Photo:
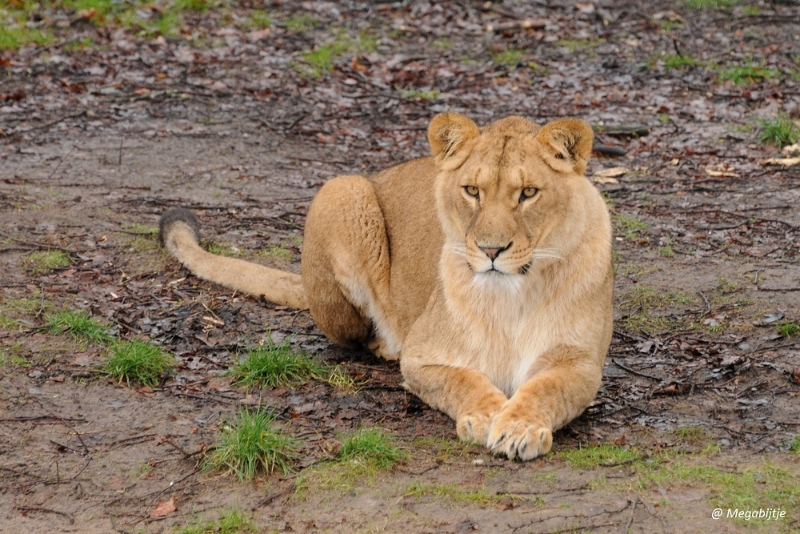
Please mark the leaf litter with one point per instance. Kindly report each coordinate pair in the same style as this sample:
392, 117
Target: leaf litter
106, 126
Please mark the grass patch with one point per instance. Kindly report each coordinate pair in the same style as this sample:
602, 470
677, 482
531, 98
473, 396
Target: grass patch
224, 249
649, 298
252, 443
744, 74
79, 324
710, 4
301, 23
13, 312
604, 455
14, 36
275, 366
789, 329
638, 307
454, 492
198, 6
371, 446
138, 362
228, 522
277, 251
780, 131
45, 261
320, 60
675, 61
631, 226
794, 446
442, 44
509, 58
259, 19
753, 486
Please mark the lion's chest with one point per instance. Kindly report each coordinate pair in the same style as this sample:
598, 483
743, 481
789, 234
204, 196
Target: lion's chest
503, 338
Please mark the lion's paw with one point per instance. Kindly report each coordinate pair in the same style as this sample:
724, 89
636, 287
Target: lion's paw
474, 427
517, 439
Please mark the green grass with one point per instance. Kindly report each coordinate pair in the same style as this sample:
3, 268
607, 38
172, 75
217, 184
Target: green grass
631, 226
710, 4
13, 36
252, 443
277, 251
46, 261
276, 366
751, 485
603, 455
675, 61
320, 60
223, 249
789, 329
780, 131
78, 324
508, 58
744, 74
442, 44
259, 19
454, 492
13, 311
138, 362
198, 6
228, 522
794, 446
301, 23
371, 446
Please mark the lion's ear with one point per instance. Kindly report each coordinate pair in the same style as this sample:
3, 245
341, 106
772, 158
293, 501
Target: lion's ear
448, 133
566, 144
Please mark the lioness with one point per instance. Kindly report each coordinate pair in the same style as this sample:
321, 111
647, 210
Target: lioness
486, 268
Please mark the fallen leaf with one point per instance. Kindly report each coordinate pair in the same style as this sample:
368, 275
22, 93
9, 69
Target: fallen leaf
796, 376
505, 504
164, 508
721, 170
258, 35
791, 151
783, 162
613, 172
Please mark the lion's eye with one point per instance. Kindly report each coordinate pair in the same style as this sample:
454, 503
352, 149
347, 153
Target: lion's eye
528, 192
471, 191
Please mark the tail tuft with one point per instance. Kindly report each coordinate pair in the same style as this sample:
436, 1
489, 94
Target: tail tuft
175, 215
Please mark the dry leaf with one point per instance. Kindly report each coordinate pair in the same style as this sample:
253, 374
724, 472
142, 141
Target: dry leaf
791, 151
613, 172
783, 162
164, 508
722, 169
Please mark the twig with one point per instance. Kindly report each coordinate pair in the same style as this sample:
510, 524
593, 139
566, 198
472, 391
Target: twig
635, 372
46, 510
630, 519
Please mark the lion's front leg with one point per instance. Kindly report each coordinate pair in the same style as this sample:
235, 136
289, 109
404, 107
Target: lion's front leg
465, 395
564, 383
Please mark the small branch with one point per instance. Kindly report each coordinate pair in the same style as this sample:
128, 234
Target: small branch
635, 372
528, 24
46, 510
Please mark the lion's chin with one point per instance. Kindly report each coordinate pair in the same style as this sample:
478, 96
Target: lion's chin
493, 280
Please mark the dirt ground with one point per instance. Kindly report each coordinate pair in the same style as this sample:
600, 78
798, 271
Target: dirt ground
699, 407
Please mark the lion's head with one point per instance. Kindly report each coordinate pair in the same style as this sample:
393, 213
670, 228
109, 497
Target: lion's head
508, 193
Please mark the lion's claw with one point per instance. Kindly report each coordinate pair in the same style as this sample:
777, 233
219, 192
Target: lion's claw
474, 427
519, 440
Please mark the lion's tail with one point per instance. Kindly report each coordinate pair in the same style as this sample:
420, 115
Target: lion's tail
179, 232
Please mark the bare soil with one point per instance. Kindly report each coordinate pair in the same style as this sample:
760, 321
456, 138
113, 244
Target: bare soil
98, 142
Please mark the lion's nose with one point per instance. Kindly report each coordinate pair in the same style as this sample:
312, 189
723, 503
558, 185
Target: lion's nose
493, 252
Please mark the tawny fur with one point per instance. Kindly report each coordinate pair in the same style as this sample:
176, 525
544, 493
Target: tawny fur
485, 268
